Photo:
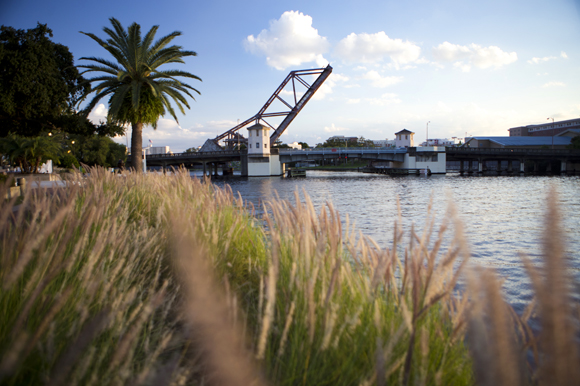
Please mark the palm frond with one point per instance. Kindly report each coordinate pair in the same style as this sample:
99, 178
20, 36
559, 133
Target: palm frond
165, 40
102, 61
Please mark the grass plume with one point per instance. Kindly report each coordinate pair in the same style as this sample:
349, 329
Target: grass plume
164, 279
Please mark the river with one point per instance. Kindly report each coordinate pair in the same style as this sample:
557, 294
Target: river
503, 216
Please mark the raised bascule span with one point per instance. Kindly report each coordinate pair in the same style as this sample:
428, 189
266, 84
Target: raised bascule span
295, 79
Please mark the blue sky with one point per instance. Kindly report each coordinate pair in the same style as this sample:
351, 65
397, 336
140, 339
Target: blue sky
468, 67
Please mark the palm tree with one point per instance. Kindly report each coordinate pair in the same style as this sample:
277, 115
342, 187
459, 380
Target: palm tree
139, 91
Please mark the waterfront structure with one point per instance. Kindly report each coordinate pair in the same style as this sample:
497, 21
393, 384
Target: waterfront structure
261, 160
551, 128
432, 159
553, 142
404, 138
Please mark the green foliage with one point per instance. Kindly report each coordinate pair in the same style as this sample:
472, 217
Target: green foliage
191, 150
304, 145
575, 143
139, 91
39, 81
96, 150
30, 152
69, 161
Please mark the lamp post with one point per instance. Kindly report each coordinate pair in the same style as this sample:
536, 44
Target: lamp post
427, 134
552, 132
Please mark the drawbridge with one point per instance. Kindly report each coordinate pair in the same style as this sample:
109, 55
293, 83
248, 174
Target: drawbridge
292, 85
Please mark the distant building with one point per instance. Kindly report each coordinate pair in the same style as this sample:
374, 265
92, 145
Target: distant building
558, 142
384, 142
295, 145
158, 150
544, 129
342, 138
404, 138
453, 141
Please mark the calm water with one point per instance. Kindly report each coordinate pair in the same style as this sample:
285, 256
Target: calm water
502, 216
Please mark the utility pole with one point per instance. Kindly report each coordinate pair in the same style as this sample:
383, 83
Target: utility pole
552, 132
427, 134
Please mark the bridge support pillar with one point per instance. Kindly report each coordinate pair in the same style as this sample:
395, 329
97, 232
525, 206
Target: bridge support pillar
563, 167
522, 166
536, 166
480, 165
204, 169
461, 170
509, 166
498, 167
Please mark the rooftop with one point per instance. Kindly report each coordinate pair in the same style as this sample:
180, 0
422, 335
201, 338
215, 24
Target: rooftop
525, 141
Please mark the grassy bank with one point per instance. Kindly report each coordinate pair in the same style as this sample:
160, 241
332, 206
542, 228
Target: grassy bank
166, 280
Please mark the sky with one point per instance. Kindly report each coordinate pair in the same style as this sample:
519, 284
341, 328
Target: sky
466, 67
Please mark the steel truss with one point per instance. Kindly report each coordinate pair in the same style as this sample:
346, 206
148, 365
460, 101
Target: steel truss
295, 77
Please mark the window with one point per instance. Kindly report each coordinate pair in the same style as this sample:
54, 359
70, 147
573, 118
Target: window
257, 145
406, 137
250, 145
265, 146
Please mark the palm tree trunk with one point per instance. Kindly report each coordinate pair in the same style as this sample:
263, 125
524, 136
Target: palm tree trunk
137, 146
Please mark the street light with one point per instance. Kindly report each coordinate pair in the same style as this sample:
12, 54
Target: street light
427, 134
552, 132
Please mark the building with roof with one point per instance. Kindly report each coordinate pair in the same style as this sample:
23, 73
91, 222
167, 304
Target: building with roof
404, 138
555, 142
545, 129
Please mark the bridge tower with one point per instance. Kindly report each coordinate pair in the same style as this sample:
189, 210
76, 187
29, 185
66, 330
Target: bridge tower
262, 161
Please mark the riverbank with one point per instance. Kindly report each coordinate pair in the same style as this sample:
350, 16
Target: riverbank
153, 279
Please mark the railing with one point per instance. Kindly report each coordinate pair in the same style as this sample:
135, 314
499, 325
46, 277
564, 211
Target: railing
331, 150
198, 154
472, 150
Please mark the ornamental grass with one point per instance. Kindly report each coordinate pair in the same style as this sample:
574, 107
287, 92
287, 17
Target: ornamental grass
158, 279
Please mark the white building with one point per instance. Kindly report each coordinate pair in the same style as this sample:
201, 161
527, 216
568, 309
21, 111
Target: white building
260, 160
295, 145
158, 150
453, 141
404, 138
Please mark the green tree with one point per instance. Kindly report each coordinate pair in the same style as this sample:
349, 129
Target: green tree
96, 150
139, 91
30, 152
38, 82
574, 143
304, 145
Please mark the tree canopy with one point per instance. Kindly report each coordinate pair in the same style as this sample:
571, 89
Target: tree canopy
39, 82
139, 91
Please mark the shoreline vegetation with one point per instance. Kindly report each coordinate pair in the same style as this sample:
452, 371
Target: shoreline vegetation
168, 280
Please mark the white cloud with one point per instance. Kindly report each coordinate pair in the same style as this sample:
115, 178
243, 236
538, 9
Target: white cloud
554, 84
381, 82
334, 129
473, 55
290, 41
371, 48
98, 114
535, 60
541, 60
353, 101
